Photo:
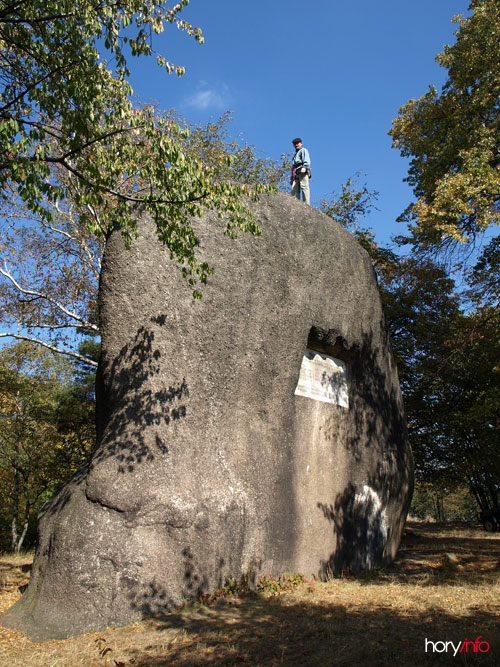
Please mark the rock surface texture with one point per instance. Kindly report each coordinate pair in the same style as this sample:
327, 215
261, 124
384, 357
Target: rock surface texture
207, 463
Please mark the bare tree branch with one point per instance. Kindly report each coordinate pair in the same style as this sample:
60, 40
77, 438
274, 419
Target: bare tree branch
54, 348
87, 325
90, 258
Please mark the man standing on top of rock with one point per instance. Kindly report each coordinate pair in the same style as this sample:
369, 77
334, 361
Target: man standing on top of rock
301, 171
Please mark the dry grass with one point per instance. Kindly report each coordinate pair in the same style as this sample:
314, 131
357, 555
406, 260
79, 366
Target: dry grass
444, 586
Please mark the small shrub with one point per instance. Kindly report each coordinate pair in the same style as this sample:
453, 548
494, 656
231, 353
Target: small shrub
232, 588
242, 588
285, 582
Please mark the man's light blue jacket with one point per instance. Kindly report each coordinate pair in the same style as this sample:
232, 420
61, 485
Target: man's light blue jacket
301, 159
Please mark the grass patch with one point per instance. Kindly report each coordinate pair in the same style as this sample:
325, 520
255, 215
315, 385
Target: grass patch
443, 586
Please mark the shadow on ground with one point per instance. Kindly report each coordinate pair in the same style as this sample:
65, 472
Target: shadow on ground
263, 632
440, 589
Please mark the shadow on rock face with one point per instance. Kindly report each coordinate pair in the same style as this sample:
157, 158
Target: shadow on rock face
359, 523
132, 408
360, 516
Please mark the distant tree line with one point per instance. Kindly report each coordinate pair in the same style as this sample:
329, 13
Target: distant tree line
47, 431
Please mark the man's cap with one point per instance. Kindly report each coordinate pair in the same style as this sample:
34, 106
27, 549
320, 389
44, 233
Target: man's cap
297, 140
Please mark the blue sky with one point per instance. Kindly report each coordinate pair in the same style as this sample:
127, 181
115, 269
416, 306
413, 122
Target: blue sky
334, 72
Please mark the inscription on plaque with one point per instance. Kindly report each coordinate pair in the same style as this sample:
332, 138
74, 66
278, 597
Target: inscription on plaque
323, 378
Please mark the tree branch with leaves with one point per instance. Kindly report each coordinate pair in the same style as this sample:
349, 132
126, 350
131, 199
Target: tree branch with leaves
49, 268
453, 139
65, 100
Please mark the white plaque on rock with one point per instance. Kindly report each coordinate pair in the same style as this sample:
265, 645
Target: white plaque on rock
323, 378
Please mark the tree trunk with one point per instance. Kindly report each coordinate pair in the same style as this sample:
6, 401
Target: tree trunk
476, 495
15, 507
493, 494
439, 508
480, 494
27, 508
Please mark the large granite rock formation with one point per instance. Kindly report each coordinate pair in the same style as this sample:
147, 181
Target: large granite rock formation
208, 463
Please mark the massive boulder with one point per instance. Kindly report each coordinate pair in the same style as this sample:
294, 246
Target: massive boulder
260, 429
